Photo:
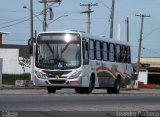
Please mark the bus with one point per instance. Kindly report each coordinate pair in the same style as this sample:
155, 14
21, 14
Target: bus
75, 59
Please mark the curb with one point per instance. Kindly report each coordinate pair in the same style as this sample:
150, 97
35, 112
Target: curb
20, 87
129, 89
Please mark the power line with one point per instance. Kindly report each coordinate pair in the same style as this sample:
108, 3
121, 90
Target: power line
2, 19
10, 10
14, 24
151, 32
17, 22
104, 4
150, 50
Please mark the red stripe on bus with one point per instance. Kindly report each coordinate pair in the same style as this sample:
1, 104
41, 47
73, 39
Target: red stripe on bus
105, 68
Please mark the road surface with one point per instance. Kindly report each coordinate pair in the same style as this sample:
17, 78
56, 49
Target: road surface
39, 101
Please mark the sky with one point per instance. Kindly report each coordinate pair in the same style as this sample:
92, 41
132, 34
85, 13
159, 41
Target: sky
15, 19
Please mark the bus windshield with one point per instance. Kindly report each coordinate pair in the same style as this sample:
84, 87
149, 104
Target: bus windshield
58, 51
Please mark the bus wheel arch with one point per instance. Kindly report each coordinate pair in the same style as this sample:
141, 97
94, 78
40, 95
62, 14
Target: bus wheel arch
91, 85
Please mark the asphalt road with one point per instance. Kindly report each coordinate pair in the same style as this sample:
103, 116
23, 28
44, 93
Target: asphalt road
41, 103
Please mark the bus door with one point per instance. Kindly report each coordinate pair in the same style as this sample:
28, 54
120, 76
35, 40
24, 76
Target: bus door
86, 68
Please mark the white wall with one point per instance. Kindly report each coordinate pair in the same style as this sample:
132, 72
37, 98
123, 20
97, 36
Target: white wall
143, 77
10, 62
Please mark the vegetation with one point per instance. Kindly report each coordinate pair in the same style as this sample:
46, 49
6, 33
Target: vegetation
9, 79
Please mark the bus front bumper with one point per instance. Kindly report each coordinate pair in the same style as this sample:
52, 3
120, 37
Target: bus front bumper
58, 82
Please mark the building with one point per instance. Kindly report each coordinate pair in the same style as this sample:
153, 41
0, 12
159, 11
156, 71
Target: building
1, 33
149, 70
15, 59
23, 49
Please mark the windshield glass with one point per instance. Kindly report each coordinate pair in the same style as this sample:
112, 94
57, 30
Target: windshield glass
58, 51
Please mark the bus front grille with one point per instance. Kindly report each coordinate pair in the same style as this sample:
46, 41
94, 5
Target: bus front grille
57, 72
57, 81
54, 76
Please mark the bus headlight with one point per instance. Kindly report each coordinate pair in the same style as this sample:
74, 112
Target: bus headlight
75, 75
40, 74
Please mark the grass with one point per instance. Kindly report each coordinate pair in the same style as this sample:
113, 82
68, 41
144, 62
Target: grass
9, 79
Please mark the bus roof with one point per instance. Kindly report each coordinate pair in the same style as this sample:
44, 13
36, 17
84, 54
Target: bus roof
86, 35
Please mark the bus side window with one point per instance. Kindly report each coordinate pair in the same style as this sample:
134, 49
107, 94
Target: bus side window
85, 52
111, 52
124, 54
105, 51
98, 50
91, 50
118, 53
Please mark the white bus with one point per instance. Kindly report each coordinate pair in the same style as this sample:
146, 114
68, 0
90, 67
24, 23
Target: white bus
73, 59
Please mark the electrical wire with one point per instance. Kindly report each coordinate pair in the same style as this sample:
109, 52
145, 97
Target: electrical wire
17, 22
104, 4
150, 50
10, 10
14, 24
20, 20
155, 29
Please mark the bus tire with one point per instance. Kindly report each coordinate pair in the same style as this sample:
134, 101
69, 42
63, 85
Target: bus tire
86, 90
115, 89
91, 86
79, 90
51, 90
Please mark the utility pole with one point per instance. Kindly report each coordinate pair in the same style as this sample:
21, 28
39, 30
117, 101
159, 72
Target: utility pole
32, 40
140, 40
31, 19
112, 19
44, 16
127, 22
88, 12
45, 11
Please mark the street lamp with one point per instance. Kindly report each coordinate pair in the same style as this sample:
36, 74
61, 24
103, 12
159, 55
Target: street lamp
57, 19
35, 15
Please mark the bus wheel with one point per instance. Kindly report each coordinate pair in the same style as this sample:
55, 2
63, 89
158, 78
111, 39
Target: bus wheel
115, 89
51, 89
86, 90
79, 90
91, 86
